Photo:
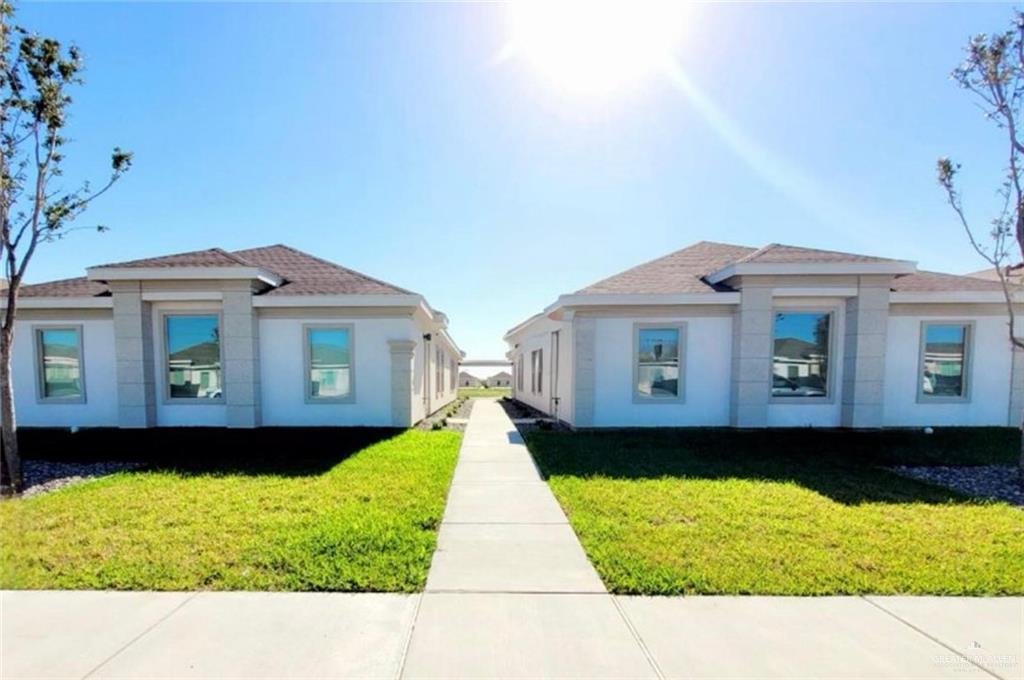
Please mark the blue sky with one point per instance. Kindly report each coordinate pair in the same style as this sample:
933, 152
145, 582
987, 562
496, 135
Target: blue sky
388, 138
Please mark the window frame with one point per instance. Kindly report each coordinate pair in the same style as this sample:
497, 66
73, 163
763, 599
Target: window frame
165, 353
520, 367
968, 372
830, 380
37, 335
681, 328
307, 363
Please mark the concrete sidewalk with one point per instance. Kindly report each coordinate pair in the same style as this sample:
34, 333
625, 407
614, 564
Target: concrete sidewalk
510, 594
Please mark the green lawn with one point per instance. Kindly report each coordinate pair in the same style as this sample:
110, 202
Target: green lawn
331, 509
496, 392
712, 511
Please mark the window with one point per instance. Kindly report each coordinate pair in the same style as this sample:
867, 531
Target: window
800, 355
519, 373
657, 368
329, 363
945, 350
537, 377
193, 356
439, 373
59, 360
453, 375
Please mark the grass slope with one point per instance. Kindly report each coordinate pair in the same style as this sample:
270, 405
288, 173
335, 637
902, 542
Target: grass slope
362, 516
718, 512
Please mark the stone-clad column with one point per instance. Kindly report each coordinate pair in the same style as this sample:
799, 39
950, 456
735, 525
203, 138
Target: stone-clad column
133, 349
867, 319
751, 357
240, 353
584, 341
401, 381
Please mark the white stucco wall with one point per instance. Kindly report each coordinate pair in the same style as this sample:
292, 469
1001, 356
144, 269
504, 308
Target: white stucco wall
100, 407
707, 365
425, 374
537, 336
283, 378
989, 375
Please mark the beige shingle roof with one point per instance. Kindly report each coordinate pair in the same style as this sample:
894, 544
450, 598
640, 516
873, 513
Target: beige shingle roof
211, 257
778, 253
303, 274
937, 282
684, 270
76, 287
678, 272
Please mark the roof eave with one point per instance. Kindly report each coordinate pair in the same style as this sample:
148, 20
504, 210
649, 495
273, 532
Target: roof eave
107, 274
352, 300
54, 302
962, 296
889, 267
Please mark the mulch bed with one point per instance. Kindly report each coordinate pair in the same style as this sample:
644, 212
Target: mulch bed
999, 482
42, 476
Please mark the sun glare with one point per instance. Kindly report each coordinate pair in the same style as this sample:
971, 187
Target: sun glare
595, 47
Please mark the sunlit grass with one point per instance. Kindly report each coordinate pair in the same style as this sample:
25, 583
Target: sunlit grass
496, 392
658, 514
367, 523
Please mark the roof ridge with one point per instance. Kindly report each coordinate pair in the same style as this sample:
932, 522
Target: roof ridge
760, 251
219, 251
237, 258
806, 249
335, 265
665, 257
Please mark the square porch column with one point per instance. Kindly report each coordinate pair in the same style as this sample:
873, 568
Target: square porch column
240, 352
867, 319
133, 351
751, 357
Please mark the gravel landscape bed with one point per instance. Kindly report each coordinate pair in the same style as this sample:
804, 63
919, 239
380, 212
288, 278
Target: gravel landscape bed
42, 476
999, 482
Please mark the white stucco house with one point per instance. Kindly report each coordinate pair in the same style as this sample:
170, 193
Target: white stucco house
779, 336
269, 336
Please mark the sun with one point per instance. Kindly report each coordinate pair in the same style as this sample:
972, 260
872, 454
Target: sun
595, 47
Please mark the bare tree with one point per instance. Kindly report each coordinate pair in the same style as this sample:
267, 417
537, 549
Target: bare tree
35, 76
993, 72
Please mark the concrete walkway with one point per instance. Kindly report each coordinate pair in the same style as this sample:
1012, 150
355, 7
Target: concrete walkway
510, 594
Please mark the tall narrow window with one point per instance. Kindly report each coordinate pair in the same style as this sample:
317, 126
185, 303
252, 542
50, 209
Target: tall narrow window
59, 352
519, 373
537, 375
193, 357
658, 361
800, 357
945, 348
453, 375
329, 363
439, 373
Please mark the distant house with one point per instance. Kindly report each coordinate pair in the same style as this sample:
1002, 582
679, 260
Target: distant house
778, 336
266, 336
503, 379
467, 380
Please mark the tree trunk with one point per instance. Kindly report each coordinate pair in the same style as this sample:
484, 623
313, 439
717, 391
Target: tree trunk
11, 481
1020, 461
